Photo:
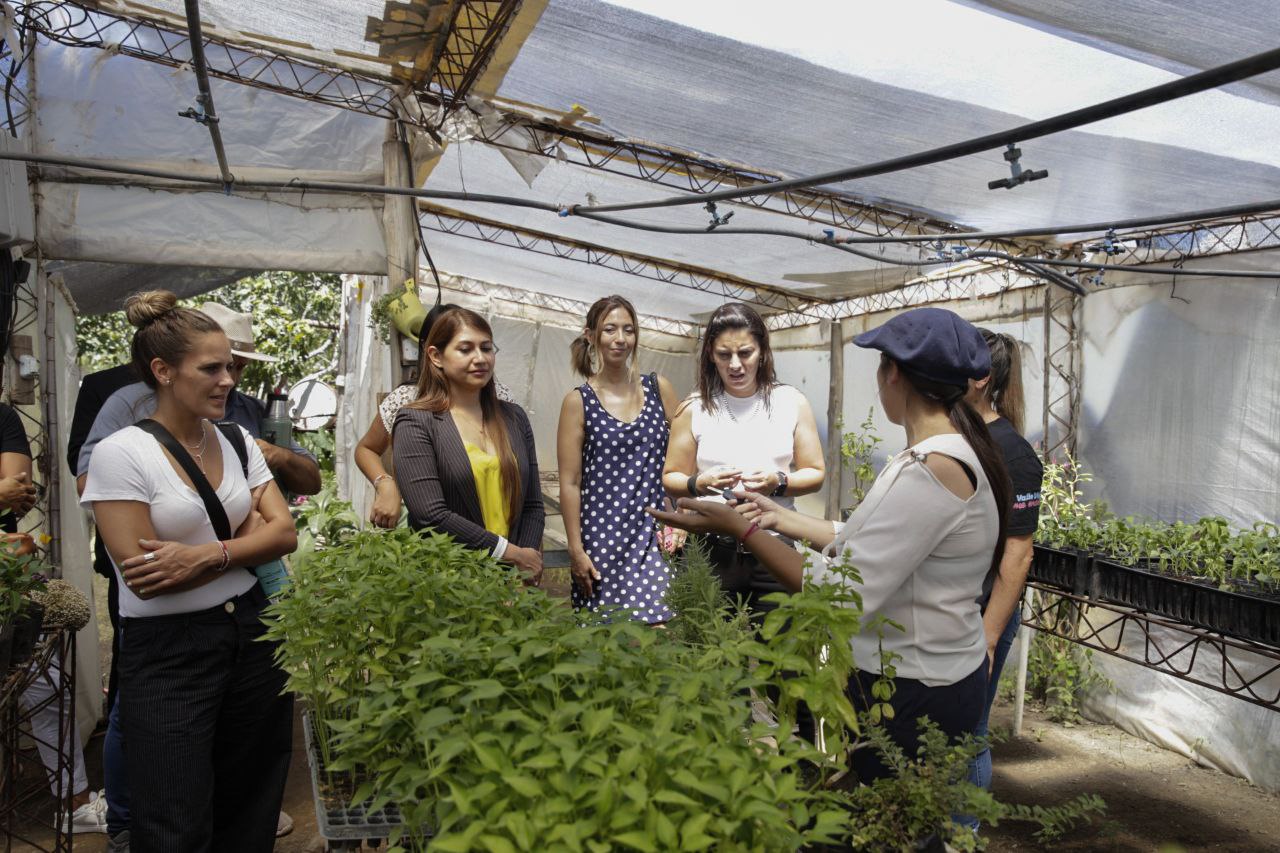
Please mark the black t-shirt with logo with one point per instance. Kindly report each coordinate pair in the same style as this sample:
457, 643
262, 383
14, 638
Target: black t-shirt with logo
13, 439
1025, 473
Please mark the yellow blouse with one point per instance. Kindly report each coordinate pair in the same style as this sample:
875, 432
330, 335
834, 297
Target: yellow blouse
488, 476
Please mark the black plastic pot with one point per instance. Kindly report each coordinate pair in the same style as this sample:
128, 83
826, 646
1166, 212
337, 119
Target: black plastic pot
1065, 568
1197, 602
26, 630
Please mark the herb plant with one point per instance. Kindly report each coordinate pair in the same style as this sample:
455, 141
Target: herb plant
856, 450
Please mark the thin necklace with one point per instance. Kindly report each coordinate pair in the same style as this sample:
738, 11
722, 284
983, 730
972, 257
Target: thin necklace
197, 452
751, 413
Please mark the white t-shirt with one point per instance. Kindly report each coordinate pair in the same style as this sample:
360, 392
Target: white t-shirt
130, 465
745, 435
922, 552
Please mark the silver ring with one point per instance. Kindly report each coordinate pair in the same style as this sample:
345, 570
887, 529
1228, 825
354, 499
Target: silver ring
149, 557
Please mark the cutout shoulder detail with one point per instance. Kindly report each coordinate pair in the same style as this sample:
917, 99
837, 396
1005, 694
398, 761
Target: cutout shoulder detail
952, 473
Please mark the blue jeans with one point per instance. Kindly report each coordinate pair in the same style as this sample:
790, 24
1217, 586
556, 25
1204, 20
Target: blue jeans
980, 769
115, 775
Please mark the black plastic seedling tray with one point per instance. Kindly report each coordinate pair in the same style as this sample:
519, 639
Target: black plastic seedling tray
345, 826
1063, 568
1194, 601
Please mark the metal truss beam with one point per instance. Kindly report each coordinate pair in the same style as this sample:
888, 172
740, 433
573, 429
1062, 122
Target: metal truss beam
1062, 363
1178, 243
73, 25
969, 282
523, 133
1174, 649
562, 304
771, 299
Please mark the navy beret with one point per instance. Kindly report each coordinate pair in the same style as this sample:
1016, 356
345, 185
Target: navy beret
934, 343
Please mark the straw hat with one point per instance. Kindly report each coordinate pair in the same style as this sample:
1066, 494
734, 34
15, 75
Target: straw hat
239, 328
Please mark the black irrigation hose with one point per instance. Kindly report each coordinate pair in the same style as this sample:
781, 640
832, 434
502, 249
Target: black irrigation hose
1112, 225
1210, 79
1086, 265
295, 185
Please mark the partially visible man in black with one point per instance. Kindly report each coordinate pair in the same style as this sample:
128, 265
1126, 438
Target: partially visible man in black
94, 391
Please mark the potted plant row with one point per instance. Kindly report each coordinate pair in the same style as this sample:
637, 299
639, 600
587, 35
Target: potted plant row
1207, 573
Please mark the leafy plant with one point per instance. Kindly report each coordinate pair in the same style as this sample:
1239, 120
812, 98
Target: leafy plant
1060, 672
323, 520
856, 451
380, 315
295, 318
321, 444
19, 575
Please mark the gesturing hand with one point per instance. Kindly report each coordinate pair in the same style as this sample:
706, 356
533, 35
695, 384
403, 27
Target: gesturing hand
756, 507
764, 482
718, 479
702, 517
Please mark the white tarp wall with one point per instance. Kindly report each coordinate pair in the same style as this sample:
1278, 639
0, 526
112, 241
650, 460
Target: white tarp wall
1181, 419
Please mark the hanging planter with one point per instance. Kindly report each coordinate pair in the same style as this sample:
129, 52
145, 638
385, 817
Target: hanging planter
401, 309
1065, 568
26, 630
1248, 615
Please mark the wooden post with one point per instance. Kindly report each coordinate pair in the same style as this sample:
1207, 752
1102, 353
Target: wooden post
835, 409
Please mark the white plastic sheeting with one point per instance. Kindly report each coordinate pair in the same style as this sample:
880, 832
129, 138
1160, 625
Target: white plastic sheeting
364, 375
1181, 398
1210, 727
77, 565
100, 106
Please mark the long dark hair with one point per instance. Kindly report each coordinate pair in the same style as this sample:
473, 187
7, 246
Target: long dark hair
969, 424
733, 316
1004, 390
580, 349
434, 396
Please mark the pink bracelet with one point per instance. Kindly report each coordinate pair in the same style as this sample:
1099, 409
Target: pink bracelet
226, 557
755, 525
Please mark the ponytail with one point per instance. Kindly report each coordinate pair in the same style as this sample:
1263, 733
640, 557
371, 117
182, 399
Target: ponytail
580, 356
1005, 388
970, 425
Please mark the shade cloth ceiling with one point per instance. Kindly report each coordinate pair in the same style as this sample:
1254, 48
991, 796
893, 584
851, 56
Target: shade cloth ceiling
811, 87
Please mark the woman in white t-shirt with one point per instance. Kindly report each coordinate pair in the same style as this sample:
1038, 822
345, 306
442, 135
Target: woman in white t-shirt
924, 538
385, 511
207, 733
742, 429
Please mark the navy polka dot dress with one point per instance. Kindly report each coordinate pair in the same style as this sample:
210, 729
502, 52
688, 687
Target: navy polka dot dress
621, 475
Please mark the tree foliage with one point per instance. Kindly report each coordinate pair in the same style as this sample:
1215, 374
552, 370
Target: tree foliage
295, 318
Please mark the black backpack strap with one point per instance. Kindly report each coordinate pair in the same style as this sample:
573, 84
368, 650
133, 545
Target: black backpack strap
213, 506
232, 431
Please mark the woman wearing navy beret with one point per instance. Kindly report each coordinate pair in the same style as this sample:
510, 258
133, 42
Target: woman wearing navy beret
924, 538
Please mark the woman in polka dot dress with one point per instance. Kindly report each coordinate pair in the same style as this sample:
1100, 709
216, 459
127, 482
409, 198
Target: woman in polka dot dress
611, 444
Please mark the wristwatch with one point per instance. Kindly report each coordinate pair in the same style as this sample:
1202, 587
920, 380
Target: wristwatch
782, 484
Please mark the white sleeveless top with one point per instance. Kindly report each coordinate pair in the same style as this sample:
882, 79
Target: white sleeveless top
922, 553
744, 434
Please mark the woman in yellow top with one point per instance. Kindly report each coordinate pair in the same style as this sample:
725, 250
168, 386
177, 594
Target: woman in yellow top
464, 460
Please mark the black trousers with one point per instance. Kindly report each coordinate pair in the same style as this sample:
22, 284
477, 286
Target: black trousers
208, 733
955, 708
742, 576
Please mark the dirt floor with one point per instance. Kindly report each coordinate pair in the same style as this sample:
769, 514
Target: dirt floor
1156, 800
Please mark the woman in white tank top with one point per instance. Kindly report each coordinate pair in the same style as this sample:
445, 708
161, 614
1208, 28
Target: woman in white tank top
924, 538
742, 429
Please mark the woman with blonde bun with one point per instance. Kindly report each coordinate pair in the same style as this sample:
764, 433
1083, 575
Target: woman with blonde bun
207, 727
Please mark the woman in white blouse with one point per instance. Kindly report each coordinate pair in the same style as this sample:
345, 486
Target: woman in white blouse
743, 429
923, 539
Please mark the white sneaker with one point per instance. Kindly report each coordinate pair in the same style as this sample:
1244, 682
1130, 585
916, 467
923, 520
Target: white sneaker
91, 817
